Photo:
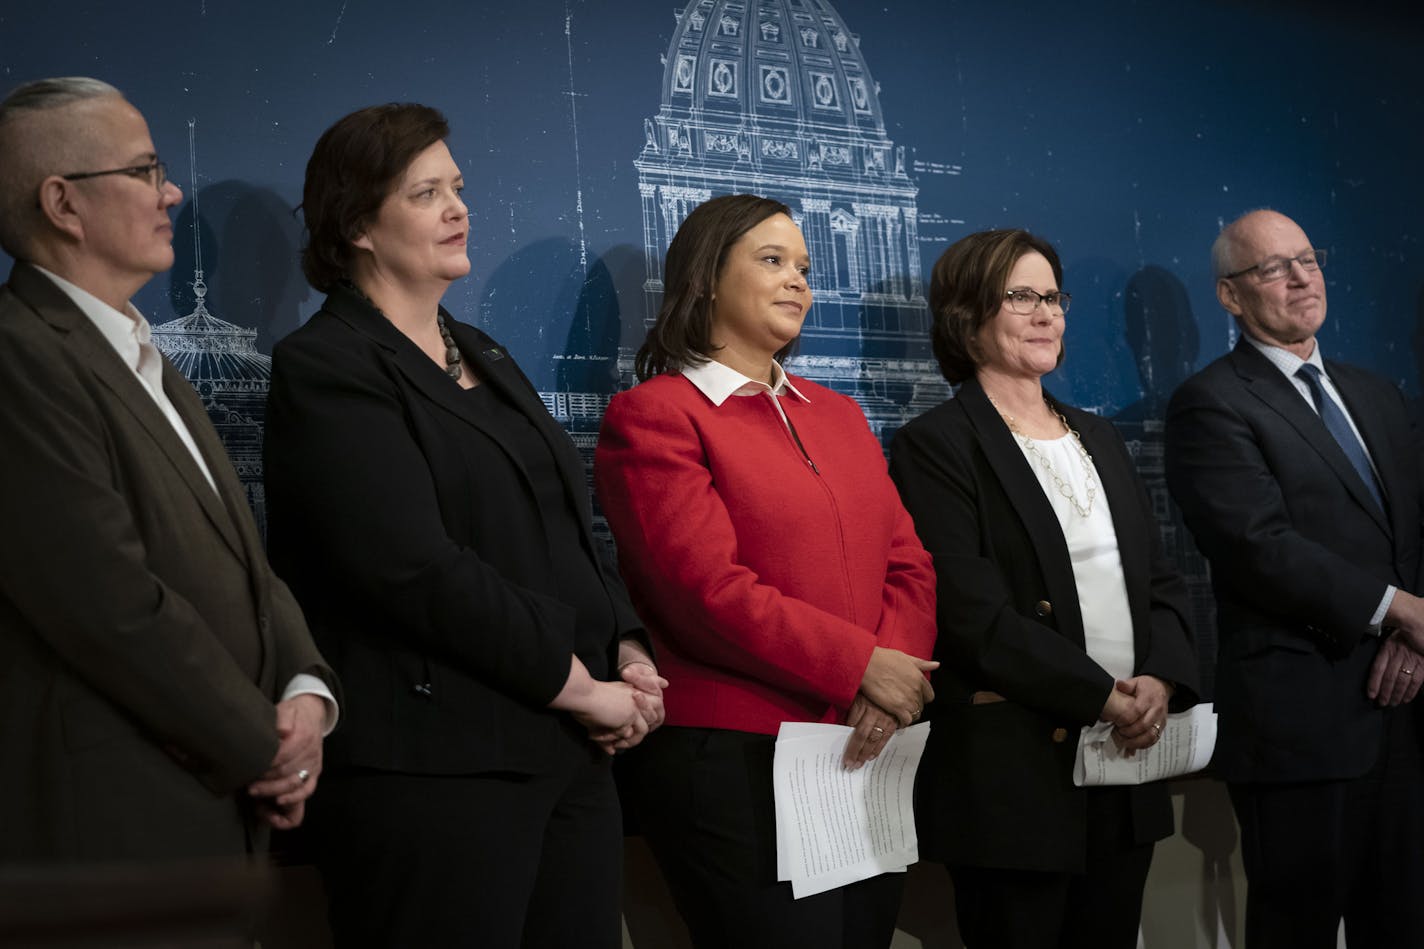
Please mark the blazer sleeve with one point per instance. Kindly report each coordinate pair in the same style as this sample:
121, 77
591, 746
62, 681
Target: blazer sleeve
626, 619
907, 613
979, 627
677, 546
345, 470
1233, 504
73, 565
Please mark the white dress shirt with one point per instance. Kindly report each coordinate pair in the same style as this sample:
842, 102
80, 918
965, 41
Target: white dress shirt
1092, 549
719, 383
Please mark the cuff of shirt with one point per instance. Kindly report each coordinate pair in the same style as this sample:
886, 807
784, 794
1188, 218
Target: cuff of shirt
306, 684
1378, 618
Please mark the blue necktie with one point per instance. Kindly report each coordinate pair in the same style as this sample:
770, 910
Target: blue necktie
1339, 426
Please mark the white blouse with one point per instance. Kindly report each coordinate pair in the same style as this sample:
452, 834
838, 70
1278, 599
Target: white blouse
1092, 548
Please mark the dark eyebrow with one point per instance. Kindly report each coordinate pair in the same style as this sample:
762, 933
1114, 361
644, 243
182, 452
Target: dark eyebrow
778, 248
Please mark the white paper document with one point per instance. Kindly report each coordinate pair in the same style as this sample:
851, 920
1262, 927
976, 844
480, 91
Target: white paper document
1187, 741
835, 826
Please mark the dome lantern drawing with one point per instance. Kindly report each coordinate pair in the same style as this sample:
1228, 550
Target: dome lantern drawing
221, 361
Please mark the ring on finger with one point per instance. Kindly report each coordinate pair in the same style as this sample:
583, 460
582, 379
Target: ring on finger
877, 733
302, 775
1408, 672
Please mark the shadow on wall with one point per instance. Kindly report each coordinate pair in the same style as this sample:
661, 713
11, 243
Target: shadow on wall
589, 362
1161, 332
530, 297
251, 246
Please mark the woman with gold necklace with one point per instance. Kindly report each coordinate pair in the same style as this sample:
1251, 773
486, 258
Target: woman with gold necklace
1057, 609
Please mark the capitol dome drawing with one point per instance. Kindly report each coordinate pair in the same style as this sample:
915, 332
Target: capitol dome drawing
773, 97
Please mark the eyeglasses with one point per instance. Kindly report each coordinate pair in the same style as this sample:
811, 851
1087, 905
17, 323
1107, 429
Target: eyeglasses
1275, 268
1024, 302
155, 172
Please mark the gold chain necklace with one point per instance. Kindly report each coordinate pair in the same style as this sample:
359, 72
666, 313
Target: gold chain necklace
1064, 488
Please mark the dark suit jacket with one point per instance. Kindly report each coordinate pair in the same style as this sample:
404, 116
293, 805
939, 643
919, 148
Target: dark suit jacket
1300, 557
413, 538
997, 788
143, 638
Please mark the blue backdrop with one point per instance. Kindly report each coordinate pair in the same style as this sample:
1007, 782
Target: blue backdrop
1126, 133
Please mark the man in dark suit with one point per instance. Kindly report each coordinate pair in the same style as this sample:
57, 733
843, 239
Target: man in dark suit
1300, 478
160, 695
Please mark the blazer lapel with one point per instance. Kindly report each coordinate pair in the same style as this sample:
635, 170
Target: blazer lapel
1025, 494
1271, 386
499, 369
94, 352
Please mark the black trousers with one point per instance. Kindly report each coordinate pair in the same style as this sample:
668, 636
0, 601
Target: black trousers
497, 861
705, 803
1318, 852
1100, 908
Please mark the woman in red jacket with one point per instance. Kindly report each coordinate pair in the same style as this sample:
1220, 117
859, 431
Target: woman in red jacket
769, 555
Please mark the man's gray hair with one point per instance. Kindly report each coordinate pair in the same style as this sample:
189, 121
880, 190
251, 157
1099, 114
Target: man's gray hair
1226, 249
32, 150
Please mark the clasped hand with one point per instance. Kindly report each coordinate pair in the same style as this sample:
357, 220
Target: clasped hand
282, 791
618, 714
893, 693
1137, 708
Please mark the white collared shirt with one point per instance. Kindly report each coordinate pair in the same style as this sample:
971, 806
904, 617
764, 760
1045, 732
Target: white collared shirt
720, 382
1289, 364
132, 338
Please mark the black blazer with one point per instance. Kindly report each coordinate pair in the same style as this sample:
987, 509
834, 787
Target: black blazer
997, 788
1300, 557
413, 539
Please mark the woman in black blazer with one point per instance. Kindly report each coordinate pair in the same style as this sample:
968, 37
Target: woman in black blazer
433, 521
1056, 610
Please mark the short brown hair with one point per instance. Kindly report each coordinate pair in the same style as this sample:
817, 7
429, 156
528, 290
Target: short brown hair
355, 166
967, 289
681, 336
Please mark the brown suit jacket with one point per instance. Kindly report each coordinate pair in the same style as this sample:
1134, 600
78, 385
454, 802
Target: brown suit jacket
143, 637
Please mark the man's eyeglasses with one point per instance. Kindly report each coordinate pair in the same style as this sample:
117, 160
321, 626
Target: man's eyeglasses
1024, 302
1275, 268
155, 173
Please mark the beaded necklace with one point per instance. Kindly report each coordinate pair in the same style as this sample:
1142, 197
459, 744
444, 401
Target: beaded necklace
1031, 448
453, 360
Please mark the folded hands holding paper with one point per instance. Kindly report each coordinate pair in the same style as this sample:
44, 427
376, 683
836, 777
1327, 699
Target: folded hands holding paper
1136, 710
1186, 744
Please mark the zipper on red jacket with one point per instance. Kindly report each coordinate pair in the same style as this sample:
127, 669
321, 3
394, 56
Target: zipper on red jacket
797, 438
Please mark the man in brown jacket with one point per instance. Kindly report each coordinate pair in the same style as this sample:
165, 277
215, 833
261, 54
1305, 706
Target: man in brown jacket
160, 695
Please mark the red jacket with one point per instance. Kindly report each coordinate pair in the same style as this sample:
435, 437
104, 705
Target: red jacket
765, 582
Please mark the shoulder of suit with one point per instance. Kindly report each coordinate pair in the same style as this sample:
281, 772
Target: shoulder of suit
470, 331
666, 385
1357, 374
1215, 377
947, 413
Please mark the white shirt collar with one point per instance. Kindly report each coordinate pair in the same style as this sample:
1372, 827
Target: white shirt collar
125, 331
720, 382
1285, 360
